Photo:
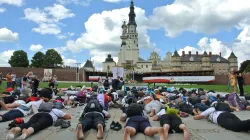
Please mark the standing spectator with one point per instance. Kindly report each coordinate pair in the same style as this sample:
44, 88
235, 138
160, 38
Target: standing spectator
100, 81
35, 85
55, 80
13, 78
8, 80
106, 83
240, 81
232, 79
19, 82
1, 78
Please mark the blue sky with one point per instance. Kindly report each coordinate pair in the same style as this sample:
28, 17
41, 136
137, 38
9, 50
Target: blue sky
78, 29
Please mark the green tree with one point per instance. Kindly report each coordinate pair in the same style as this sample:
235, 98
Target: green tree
37, 60
247, 69
52, 58
19, 59
244, 65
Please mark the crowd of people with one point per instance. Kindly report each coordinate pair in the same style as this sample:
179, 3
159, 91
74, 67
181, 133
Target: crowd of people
164, 104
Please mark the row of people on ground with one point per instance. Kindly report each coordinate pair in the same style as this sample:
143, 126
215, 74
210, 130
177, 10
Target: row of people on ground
163, 106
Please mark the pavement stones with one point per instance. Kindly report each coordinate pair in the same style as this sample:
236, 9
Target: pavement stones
200, 130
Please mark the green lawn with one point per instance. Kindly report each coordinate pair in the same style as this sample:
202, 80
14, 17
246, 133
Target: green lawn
220, 88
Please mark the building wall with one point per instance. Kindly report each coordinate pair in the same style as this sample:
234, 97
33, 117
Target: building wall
62, 74
106, 64
143, 67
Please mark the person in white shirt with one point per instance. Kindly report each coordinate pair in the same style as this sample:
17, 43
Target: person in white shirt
171, 122
225, 119
21, 111
37, 122
13, 78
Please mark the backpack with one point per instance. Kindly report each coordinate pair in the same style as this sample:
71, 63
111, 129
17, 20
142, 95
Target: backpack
194, 100
222, 107
45, 107
179, 102
134, 109
93, 105
106, 83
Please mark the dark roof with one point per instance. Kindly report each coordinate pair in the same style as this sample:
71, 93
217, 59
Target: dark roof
88, 64
232, 55
205, 53
141, 60
109, 58
176, 54
198, 58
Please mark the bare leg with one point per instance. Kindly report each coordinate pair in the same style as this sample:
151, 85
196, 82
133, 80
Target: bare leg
129, 132
13, 132
3, 105
26, 133
13, 105
166, 128
186, 132
248, 108
100, 132
79, 133
152, 113
151, 131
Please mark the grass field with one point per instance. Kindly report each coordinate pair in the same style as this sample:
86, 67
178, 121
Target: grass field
219, 88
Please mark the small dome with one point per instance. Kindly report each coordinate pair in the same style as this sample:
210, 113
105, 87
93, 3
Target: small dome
109, 58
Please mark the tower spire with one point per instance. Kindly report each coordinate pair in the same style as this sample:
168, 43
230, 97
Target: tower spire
132, 14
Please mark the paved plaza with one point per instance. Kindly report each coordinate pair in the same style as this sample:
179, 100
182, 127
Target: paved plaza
200, 130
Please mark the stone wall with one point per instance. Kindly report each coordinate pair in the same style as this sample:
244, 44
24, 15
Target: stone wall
62, 74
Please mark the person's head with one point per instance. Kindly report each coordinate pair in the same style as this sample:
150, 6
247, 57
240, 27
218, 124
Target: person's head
45, 94
121, 78
24, 79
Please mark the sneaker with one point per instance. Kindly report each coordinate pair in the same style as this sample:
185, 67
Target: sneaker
118, 126
112, 125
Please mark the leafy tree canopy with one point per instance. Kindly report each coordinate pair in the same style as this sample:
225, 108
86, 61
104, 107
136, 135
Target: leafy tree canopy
52, 59
37, 60
19, 59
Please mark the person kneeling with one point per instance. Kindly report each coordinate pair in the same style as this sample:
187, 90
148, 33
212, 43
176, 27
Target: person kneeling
138, 123
93, 117
171, 122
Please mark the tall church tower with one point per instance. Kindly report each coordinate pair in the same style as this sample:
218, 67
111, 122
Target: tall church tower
129, 52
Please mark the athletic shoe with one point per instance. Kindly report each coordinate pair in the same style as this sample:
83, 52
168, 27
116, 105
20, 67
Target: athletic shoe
118, 126
112, 125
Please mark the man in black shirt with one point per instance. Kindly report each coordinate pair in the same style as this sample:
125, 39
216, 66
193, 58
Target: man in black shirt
240, 81
35, 85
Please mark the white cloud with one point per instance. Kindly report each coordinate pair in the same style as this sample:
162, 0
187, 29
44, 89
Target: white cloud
4, 58
12, 2
2, 10
206, 16
103, 31
47, 29
76, 2
36, 48
68, 62
64, 36
48, 19
59, 12
7, 35
61, 50
112, 1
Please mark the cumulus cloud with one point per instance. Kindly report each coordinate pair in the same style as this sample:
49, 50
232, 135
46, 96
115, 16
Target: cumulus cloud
103, 31
12, 2
48, 19
2, 10
68, 62
36, 48
112, 1
66, 35
76, 2
4, 58
7, 35
203, 16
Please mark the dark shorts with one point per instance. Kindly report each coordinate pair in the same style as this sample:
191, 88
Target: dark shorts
91, 121
173, 121
139, 123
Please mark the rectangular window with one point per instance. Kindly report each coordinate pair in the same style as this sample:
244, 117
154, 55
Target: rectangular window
146, 66
141, 66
